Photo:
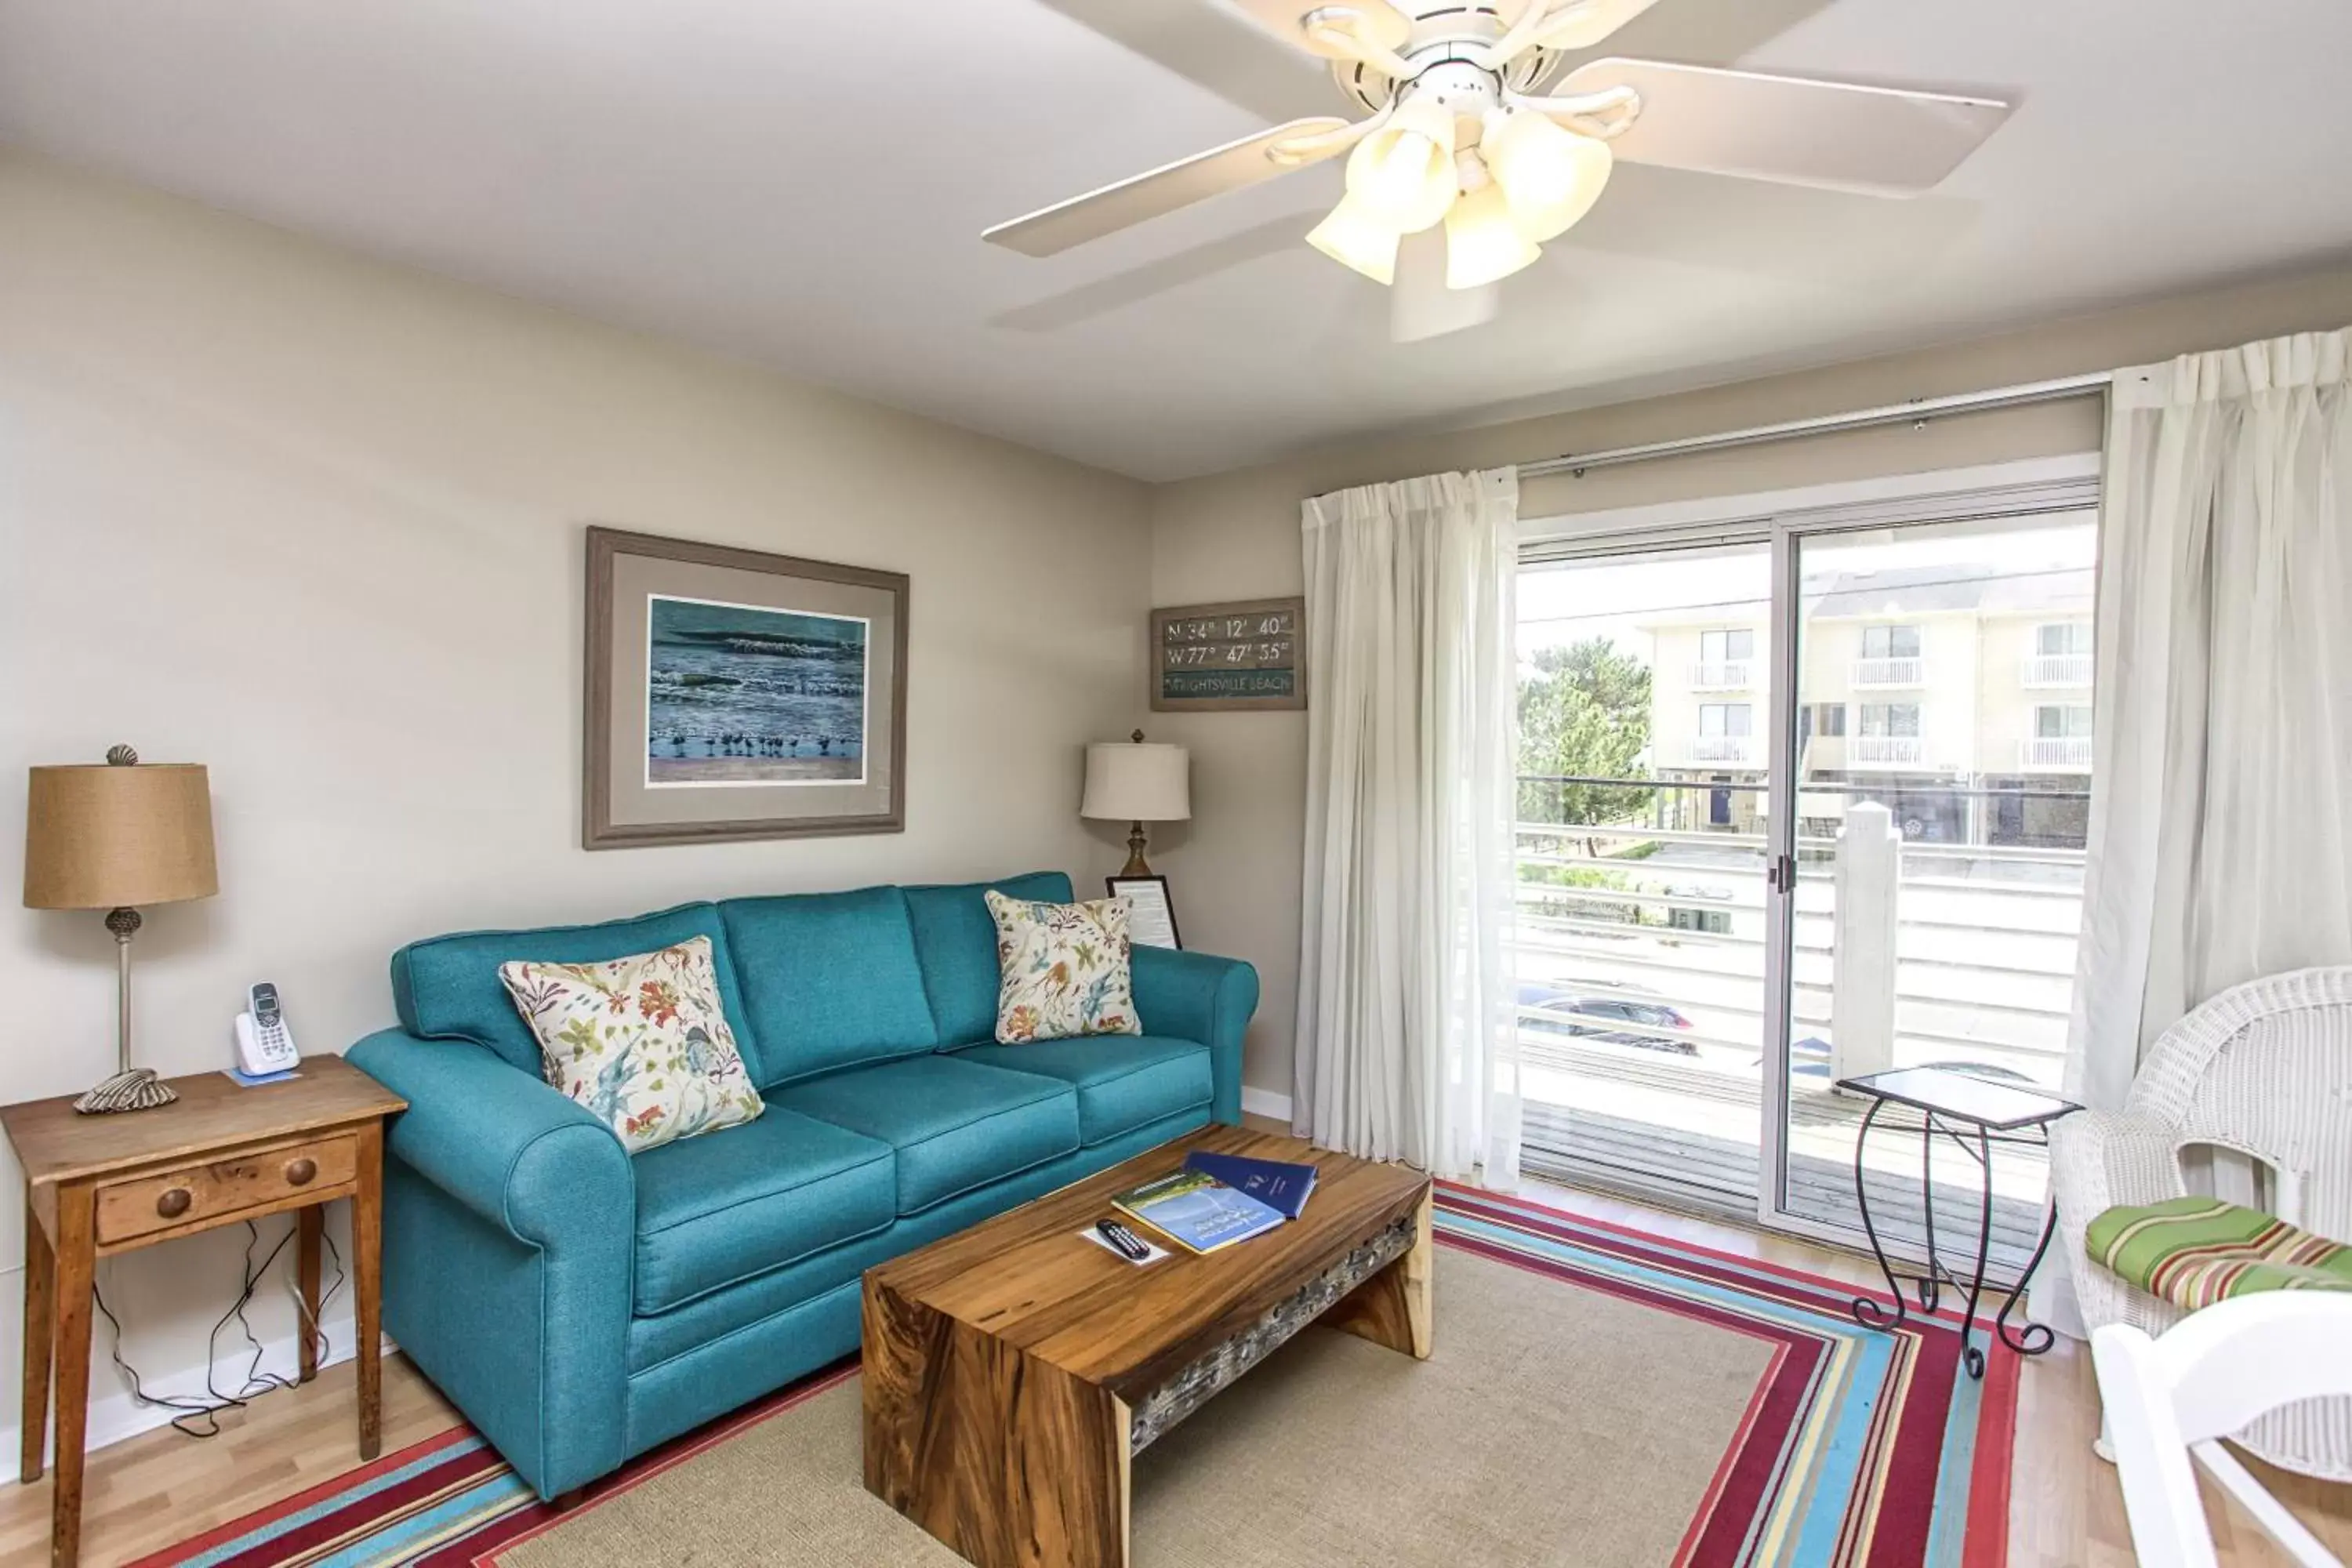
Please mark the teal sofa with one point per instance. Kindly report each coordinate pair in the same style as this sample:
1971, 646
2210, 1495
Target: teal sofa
581, 1305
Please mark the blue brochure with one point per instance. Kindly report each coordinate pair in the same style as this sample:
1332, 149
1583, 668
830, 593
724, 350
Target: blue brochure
1279, 1184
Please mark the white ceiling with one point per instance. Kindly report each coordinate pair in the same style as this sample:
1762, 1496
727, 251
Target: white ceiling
793, 181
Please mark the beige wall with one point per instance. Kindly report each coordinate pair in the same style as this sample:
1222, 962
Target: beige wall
316, 522
1237, 871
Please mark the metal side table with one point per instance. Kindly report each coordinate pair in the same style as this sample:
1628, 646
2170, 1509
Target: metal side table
1955, 1105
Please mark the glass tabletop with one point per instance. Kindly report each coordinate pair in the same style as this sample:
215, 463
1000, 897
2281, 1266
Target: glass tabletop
1998, 1106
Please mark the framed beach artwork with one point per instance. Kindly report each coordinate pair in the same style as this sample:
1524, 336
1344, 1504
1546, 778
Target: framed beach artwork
733, 694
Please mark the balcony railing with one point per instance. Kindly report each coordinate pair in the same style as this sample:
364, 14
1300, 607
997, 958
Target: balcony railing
1724, 749
1730, 675
1890, 672
2058, 669
1885, 750
2069, 752
1664, 1096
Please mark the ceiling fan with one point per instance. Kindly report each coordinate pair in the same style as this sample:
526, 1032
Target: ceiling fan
1468, 157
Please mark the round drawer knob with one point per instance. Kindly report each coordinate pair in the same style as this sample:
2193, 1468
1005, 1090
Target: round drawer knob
300, 1172
175, 1203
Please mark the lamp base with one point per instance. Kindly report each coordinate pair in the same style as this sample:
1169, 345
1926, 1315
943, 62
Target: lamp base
133, 1088
1136, 865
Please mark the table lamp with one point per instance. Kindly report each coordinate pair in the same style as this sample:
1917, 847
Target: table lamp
1128, 781
110, 836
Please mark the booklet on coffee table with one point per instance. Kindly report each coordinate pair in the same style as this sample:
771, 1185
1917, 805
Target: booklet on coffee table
1197, 1211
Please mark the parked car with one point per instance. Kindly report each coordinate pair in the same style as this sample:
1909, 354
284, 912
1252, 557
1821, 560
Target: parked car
1550, 1009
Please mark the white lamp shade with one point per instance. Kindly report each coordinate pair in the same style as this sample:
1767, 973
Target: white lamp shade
1483, 242
1403, 174
1352, 237
1138, 782
1550, 176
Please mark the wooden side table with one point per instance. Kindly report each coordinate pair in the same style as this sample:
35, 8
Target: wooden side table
99, 1185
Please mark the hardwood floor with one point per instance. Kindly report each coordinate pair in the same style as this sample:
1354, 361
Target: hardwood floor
155, 1491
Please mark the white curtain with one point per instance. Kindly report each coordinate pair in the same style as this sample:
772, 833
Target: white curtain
1407, 1027
2220, 831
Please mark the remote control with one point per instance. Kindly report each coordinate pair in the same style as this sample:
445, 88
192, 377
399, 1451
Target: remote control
1129, 1245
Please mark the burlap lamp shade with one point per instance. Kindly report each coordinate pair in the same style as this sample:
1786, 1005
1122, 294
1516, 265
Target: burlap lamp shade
113, 836
107, 837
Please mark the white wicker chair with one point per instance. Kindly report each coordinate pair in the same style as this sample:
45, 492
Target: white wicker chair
2264, 1068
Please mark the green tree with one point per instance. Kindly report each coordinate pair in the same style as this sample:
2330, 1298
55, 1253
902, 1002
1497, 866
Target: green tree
1584, 713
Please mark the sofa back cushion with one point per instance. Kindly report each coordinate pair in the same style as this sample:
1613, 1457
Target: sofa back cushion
447, 987
829, 980
956, 938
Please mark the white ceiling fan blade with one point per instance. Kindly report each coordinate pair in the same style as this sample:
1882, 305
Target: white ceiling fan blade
1208, 46
1376, 21
1591, 22
1875, 141
1164, 190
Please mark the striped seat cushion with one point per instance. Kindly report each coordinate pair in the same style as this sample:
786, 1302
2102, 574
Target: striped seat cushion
2196, 1251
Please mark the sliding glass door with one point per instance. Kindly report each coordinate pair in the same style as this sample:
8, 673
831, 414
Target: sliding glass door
1938, 747
1800, 798
1643, 701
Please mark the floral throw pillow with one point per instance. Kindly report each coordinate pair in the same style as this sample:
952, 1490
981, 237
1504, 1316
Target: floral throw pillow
1063, 969
642, 1042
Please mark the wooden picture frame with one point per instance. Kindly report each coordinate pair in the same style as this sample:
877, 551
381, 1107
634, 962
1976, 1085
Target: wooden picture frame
1248, 656
1149, 905
732, 694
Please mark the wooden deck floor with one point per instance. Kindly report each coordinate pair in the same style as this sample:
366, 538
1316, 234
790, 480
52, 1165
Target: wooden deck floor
1659, 1126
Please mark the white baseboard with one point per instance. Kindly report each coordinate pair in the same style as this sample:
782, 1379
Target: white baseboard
1266, 1102
114, 1416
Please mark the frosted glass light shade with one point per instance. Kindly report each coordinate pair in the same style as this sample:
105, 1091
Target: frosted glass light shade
1353, 237
1130, 781
1483, 242
1550, 176
1403, 174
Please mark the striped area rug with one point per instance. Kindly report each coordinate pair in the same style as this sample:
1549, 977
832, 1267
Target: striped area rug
1858, 1448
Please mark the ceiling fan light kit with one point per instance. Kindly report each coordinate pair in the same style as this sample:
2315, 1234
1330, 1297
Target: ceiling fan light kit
1484, 242
1549, 176
1403, 174
1355, 238
1459, 133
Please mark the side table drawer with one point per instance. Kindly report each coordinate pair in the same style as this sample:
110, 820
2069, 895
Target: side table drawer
148, 1204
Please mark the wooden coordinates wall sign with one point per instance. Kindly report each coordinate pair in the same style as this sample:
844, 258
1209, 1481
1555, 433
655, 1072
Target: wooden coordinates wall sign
1209, 659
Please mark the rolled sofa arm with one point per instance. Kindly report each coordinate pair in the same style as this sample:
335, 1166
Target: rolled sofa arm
510, 1213
1199, 996
2098, 1160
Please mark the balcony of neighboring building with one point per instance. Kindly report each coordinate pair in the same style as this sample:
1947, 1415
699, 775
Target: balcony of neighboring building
2056, 754
1724, 751
2056, 670
2060, 655
1725, 675
1886, 751
1893, 673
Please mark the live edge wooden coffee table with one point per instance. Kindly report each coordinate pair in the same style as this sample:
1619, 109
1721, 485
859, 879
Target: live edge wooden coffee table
1013, 1369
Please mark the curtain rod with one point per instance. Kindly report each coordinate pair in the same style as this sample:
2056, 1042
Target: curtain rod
1918, 411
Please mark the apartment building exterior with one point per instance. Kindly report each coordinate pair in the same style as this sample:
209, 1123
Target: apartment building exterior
1957, 696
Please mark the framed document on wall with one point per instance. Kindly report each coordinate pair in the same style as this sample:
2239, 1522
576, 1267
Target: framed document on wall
1153, 922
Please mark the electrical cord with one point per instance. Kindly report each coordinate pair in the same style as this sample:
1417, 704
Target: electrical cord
201, 1418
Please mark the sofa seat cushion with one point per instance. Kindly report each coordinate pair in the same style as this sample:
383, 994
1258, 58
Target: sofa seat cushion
956, 1125
1123, 1080
723, 1207
2195, 1251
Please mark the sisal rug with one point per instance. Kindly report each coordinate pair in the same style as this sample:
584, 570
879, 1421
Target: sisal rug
1598, 1398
